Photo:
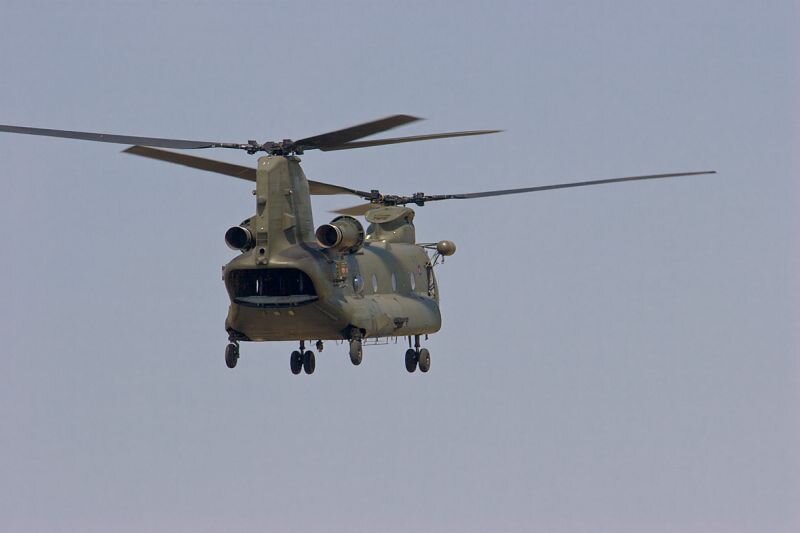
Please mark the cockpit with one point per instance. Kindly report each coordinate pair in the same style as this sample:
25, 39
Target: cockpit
270, 287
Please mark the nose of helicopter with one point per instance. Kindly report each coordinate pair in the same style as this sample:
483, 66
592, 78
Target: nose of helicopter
291, 300
270, 287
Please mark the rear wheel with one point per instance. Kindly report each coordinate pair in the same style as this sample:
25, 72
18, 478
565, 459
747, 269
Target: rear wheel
356, 352
231, 355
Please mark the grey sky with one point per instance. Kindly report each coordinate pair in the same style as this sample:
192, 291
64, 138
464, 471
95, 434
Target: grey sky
620, 358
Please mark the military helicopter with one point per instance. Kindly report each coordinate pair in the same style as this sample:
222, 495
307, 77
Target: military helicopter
340, 281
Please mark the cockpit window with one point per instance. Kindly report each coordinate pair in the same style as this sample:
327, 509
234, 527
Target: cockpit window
270, 282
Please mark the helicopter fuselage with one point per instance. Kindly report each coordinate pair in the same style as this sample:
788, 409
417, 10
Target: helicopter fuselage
285, 285
383, 290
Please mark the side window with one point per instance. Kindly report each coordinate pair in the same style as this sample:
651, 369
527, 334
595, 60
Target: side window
375, 283
413, 281
358, 284
394, 282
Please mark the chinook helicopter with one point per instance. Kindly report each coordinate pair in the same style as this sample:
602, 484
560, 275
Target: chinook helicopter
340, 281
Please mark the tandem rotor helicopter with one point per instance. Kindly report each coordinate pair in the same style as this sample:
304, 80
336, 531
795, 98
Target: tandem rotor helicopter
340, 281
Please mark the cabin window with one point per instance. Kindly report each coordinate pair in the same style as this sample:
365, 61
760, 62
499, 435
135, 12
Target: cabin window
270, 282
375, 283
413, 281
394, 282
358, 284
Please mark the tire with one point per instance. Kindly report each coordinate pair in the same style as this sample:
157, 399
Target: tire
356, 352
309, 362
296, 362
424, 360
231, 355
411, 360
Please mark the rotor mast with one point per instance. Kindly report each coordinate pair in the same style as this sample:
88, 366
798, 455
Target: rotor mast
283, 207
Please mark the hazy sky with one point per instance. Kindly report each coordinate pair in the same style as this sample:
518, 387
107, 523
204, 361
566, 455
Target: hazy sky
613, 359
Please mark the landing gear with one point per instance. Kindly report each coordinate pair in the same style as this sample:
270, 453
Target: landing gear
417, 357
303, 360
356, 346
411, 360
356, 351
309, 362
232, 355
296, 362
424, 360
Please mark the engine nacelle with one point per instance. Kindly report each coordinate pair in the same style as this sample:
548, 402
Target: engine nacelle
343, 234
239, 238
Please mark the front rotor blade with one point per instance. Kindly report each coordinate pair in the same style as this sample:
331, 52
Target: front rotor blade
230, 169
485, 194
354, 132
414, 138
200, 163
119, 139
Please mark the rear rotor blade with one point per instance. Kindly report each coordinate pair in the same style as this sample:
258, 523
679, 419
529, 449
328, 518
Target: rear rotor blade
352, 133
398, 140
502, 192
319, 188
356, 210
421, 199
180, 144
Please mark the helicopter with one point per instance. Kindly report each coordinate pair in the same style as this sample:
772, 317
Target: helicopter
342, 282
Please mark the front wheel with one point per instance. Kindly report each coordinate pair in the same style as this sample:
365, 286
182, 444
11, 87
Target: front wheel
296, 362
411, 360
424, 360
309, 362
